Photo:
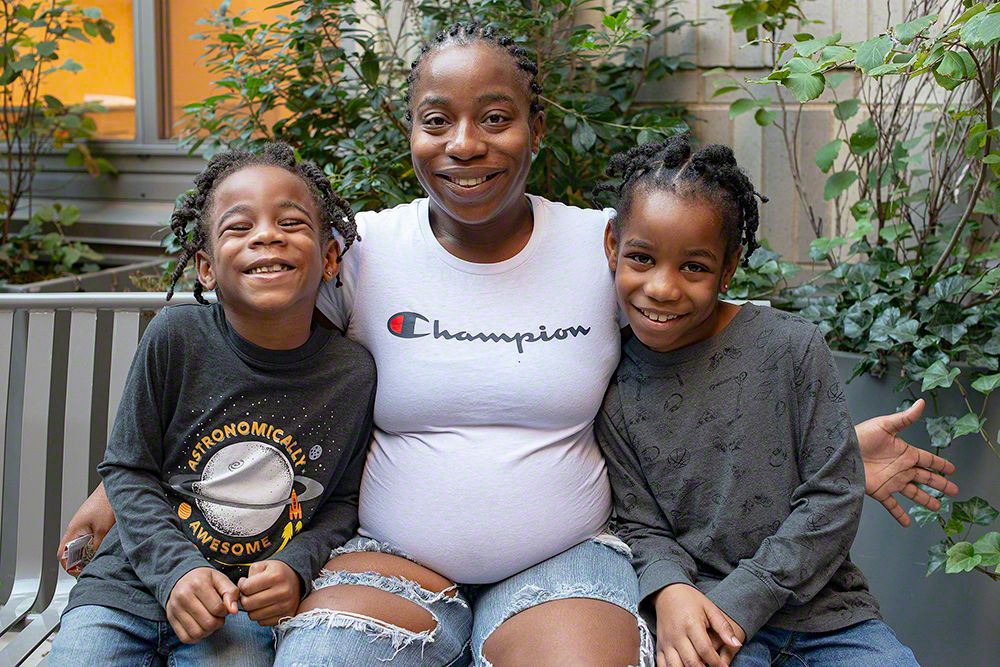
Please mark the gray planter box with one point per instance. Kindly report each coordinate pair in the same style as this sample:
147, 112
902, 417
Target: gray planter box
947, 620
114, 279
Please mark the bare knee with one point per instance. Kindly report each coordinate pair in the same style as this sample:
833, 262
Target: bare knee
374, 592
575, 631
372, 603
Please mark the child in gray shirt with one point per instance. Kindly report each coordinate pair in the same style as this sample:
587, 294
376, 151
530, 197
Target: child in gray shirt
737, 476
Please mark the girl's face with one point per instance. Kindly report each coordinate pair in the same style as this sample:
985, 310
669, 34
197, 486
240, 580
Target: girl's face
268, 250
473, 133
670, 265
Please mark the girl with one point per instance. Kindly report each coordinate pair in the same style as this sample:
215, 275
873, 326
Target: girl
235, 458
741, 508
492, 319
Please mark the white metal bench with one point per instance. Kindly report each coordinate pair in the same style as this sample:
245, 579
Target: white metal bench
63, 363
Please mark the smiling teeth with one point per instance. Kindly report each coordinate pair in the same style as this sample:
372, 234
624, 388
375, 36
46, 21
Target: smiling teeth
272, 268
470, 182
656, 317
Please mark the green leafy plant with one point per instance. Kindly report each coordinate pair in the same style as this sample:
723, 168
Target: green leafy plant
32, 122
330, 80
912, 253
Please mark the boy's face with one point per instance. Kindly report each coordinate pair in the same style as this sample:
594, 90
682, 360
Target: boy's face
670, 265
267, 254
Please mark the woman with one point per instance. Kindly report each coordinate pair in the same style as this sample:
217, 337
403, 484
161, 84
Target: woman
492, 320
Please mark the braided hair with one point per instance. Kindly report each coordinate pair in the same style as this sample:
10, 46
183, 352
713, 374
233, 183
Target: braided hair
464, 34
190, 219
710, 173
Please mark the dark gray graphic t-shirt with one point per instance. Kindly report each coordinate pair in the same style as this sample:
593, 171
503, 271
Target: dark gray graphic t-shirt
736, 469
224, 454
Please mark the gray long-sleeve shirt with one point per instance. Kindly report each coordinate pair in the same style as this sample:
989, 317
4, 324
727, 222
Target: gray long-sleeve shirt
736, 469
224, 454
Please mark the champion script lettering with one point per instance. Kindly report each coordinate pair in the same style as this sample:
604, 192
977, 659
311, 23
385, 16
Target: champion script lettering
414, 325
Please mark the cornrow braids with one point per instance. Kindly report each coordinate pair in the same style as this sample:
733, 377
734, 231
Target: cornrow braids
463, 34
710, 173
190, 219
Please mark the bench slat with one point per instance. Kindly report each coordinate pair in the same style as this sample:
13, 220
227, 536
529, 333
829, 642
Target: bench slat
32, 471
124, 340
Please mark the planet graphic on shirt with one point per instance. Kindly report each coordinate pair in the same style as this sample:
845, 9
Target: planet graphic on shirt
244, 488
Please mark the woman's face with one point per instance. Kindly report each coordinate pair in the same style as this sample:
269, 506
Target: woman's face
473, 132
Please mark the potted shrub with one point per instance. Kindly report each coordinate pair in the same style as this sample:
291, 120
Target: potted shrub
36, 255
907, 285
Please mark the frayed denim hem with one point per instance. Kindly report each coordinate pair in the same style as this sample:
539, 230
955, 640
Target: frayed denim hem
372, 628
404, 588
369, 545
532, 596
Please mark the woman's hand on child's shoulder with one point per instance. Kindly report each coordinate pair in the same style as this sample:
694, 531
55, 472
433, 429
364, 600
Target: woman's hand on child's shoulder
691, 630
271, 592
199, 603
894, 466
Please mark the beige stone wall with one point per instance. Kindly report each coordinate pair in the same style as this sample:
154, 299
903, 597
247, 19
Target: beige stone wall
761, 151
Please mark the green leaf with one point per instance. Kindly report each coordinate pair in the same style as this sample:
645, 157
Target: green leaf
940, 430
763, 117
71, 65
986, 383
864, 138
68, 215
969, 423
975, 510
837, 183
981, 31
938, 375
962, 558
905, 331
951, 66
741, 106
584, 137
46, 48
747, 16
827, 155
953, 527
937, 556
92, 12
722, 90
834, 79
805, 86
872, 53
907, 32
370, 68
988, 546
846, 109
25, 62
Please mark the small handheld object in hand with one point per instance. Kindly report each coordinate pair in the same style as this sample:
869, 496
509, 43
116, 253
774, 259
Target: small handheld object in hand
78, 552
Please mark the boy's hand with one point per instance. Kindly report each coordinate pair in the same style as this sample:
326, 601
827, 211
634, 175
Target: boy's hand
271, 592
686, 624
894, 466
199, 603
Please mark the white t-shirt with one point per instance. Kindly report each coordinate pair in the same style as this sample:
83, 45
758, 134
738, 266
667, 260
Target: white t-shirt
483, 460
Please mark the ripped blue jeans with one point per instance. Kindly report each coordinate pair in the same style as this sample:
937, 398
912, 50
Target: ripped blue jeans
465, 616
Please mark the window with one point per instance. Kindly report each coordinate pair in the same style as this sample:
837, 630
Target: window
184, 78
151, 70
108, 74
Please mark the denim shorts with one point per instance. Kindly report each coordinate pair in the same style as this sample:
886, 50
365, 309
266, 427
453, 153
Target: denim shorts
465, 615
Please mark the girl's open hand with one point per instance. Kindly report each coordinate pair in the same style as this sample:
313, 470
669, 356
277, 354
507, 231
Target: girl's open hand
894, 466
